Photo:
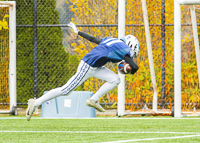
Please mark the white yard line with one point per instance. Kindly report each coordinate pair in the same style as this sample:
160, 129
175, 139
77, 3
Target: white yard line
111, 132
118, 118
148, 139
5, 118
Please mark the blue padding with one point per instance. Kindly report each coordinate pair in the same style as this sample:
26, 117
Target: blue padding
73, 105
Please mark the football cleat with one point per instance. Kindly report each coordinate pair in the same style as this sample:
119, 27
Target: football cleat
31, 109
95, 104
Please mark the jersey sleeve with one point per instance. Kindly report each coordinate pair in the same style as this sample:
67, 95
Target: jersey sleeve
128, 52
131, 54
104, 39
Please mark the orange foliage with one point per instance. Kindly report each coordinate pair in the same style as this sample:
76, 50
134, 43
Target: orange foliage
139, 86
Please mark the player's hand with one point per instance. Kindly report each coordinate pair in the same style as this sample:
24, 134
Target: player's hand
73, 26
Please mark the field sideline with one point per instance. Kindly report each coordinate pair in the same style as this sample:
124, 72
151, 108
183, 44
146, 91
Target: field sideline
100, 130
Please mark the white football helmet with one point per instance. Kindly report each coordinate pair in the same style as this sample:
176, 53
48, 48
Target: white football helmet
133, 43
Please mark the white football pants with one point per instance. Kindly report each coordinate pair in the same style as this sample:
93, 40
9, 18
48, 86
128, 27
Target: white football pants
84, 72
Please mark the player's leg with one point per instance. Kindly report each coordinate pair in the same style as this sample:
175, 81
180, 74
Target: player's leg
112, 81
73, 82
83, 73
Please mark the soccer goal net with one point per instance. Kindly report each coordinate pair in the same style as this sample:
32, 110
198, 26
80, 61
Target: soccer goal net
169, 32
186, 58
7, 57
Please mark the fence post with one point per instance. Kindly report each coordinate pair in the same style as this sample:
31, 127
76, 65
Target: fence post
35, 48
163, 51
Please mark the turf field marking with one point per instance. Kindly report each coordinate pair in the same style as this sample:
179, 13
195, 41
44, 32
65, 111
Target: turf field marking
116, 118
112, 132
148, 139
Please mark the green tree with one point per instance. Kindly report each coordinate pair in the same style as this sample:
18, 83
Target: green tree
54, 69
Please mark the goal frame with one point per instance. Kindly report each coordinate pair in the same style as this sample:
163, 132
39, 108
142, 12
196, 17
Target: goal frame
121, 86
12, 56
177, 55
177, 52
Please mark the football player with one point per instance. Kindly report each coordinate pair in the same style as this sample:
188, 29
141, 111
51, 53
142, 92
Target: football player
92, 65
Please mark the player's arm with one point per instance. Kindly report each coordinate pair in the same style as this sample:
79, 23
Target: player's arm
89, 37
84, 35
133, 65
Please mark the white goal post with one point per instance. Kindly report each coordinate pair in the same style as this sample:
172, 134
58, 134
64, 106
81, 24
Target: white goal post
177, 50
12, 55
121, 33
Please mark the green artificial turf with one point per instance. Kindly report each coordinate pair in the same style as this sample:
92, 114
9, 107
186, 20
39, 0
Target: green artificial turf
99, 130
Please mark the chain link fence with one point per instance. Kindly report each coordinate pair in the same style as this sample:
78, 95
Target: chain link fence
50, 60
4, 58
48, 52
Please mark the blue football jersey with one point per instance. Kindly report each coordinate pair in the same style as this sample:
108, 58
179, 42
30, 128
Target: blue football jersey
109, 50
